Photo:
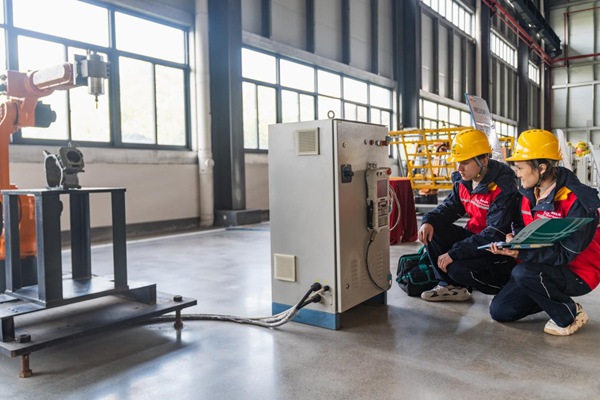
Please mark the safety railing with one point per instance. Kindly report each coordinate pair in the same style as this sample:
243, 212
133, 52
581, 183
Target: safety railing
425, 152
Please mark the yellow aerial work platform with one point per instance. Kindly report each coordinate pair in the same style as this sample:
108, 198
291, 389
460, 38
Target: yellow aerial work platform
426, 151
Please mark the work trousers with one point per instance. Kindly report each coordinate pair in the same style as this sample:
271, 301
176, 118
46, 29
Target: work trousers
488, 273
537, 287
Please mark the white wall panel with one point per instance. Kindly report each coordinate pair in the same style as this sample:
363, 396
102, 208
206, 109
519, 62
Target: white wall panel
576, 85
457, 70
559, 108
360, 34
328, 29
288, 19
154, 192
596, 31
557, 23
426, 53
257, 179
443, 61
386, 36
251, 16
580, 106
581, 74
559, 76
581, 33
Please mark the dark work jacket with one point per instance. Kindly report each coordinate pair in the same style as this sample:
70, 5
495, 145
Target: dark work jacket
581, 250
491, 207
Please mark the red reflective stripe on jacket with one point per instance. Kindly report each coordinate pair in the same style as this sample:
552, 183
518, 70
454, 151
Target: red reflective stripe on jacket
563, 201
584, 263
477, 206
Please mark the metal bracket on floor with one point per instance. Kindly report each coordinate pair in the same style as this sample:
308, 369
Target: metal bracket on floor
50, 326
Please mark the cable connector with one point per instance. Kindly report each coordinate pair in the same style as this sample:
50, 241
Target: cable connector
372, 236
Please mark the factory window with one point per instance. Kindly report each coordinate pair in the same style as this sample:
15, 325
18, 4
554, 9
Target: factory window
150, 38
503, 74
82, 22
329, 84
297, 76
435, 116
534, 73
296, 107
146, 96
504, 129
259, 105
503, 50
276, 89
535, 95
454, 12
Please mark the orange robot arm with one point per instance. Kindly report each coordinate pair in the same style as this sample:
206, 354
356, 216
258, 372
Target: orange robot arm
23, 91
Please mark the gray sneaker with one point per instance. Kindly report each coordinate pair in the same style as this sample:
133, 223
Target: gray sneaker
446, 293
581, 318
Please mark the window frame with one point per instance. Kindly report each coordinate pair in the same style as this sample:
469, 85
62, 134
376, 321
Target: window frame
315, 94
113, 83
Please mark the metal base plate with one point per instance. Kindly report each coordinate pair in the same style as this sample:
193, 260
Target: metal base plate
57, 325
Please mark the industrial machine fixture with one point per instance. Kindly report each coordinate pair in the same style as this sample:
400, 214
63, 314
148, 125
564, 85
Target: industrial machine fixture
31, 273
22, 109
62, 168
329, 207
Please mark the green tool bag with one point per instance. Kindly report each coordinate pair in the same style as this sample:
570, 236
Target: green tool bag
415, 273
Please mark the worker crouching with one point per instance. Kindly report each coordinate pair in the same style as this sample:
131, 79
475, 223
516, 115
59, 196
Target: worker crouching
484, 190
546, 278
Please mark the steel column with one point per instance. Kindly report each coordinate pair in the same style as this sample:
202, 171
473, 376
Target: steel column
225, 44
81, 257
310, 26
346, 31
407, 58
483, 39
523, 86
266, 27
119, 238
374, 36
49, 258
12, 244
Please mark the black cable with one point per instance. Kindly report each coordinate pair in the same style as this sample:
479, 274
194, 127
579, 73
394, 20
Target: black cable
316, 299
371, 240
313, 295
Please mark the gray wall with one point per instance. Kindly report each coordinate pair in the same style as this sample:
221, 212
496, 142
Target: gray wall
576, 81
288, 37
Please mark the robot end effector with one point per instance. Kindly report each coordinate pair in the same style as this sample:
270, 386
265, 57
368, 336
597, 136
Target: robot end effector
90, 70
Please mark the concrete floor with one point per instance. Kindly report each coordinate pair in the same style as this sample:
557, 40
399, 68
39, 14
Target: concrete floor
408, 349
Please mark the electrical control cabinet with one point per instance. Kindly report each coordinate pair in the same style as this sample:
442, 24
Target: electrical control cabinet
328, 202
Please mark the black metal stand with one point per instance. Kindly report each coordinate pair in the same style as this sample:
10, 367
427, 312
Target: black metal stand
54, 291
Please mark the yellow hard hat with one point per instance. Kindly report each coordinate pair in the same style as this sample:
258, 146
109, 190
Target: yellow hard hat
536, 144
468, 144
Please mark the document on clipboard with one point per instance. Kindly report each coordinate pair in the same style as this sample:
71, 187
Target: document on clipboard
543, 233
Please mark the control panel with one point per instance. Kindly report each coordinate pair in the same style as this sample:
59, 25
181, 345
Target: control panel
377, 197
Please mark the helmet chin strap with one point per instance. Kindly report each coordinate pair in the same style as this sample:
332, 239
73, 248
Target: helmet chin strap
481, 168
541, 177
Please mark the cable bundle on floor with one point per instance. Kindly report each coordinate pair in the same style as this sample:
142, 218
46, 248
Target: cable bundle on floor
313, 295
